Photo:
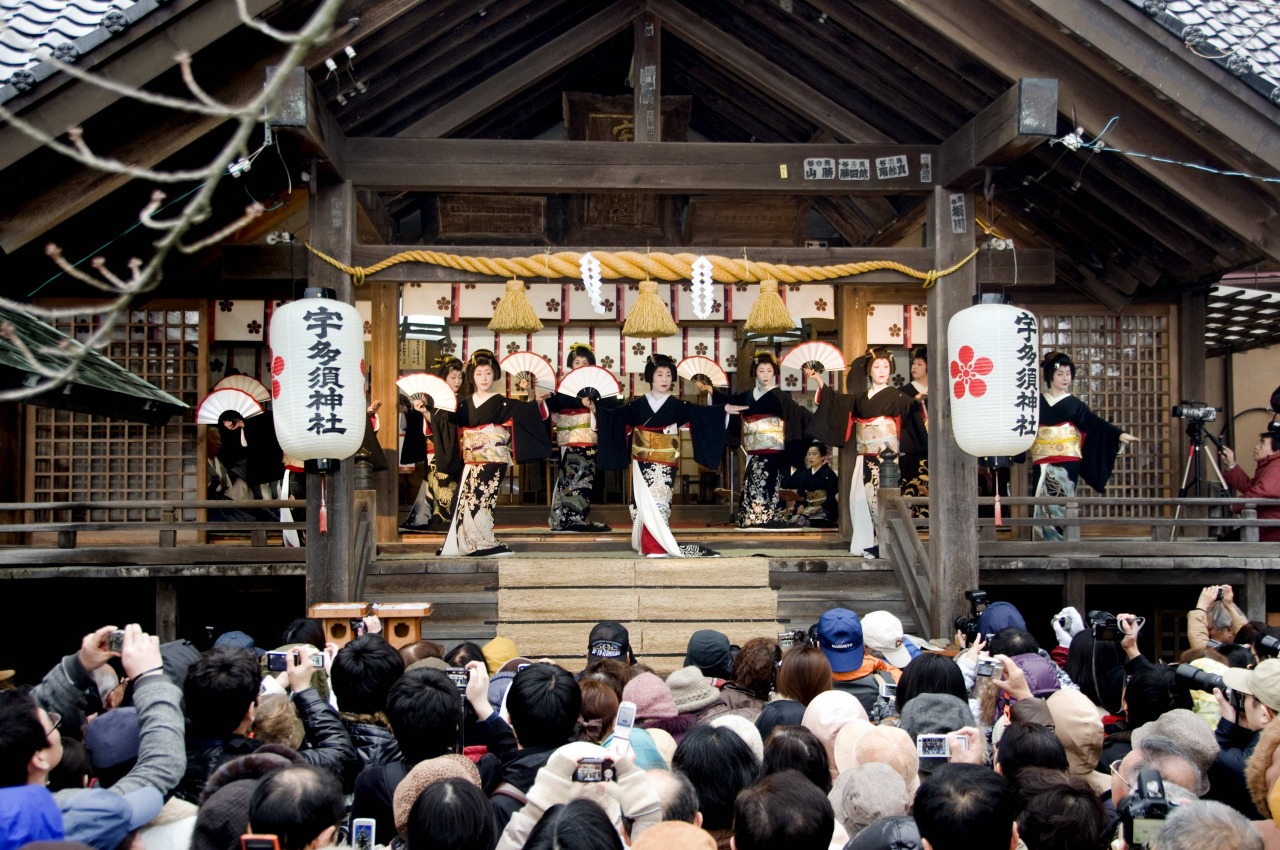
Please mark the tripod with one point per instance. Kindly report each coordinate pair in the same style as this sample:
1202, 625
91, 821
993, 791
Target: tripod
1192, 480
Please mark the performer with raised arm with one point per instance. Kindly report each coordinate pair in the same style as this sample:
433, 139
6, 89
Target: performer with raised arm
646, 431
772, 421
431, 438
813, 490
873, 419
1072, 442
576, 477
493, 431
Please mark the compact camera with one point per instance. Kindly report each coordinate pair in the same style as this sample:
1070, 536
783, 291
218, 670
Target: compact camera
115, 641
459, 676
594, 770
797, 637
278, 662
989, 667
936, 746
888, 690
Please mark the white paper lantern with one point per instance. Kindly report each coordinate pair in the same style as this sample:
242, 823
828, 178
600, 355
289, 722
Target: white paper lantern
317, 386
993, 379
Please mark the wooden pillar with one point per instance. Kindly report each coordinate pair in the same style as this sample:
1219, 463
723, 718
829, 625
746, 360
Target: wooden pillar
953, 475
332, 217
166, 610
646, 77
854, 304
384, 360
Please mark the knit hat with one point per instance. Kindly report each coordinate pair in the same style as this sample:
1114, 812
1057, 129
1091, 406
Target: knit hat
223, 817
846, 739
422, 775
497, 652
840, 639
900, 833
882, 632
779, 712
828, 713
934, 714
709, 652
891, 746
997, 617
744, 729
609, 639
691, 690
112, 738
673, 835
664, 743
866, 793
1185, 728
652, 697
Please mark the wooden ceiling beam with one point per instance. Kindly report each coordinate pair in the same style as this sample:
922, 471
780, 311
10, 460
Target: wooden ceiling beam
359, 22
303, 113
259, 262
765, 75
646, 78
441, 165
515, 78
1025, 116
759, 120
1245, 210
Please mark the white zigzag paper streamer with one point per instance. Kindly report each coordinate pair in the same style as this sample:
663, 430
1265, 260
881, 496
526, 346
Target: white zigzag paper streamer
701, 293
590, 267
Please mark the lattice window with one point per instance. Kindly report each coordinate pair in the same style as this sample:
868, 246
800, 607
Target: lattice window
1125, 373
77, 457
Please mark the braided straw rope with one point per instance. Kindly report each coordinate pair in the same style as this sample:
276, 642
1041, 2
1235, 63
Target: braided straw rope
634, 265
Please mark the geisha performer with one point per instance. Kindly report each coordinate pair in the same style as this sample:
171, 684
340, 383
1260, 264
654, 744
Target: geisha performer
647, 432
772, 420
915, 467
571, 421
1072, 442
881, 417
438, 447
493, 431
814, 489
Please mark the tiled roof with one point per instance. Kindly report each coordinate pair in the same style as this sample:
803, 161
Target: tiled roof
1242, 37
31, 31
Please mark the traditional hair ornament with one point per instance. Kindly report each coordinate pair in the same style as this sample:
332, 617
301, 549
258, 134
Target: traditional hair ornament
1053, 361
701, 293
590, 268
649, 317
514, 313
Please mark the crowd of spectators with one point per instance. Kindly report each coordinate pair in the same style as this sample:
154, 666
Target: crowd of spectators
848, 735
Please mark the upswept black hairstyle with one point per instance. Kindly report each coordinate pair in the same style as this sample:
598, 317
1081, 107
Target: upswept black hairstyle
656, 362
579, 349
879, 352
1053, 361
483, 357
764, 357
920, 352
445, 365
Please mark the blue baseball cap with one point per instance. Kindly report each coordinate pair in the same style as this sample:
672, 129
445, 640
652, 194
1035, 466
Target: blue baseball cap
997, 617
840, 639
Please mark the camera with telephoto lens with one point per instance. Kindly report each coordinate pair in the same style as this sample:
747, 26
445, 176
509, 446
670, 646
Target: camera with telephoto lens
1195, 411
1143, 812
1269, 645
1195, 679
787, 640
968, 626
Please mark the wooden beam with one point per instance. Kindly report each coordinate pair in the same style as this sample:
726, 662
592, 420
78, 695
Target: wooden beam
304, 113
1097, 95
479, 165
359, 21
854, 308
764, 74
1169, 71
646, 78
517, 77
1020, 119
329, 554
1035, 267
953, 475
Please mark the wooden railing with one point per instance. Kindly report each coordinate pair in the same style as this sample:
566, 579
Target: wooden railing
900, 544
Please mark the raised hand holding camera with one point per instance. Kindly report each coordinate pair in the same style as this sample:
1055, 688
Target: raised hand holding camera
299, 666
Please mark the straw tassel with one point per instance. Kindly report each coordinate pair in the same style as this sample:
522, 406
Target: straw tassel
769, 314
649, 317
514, 312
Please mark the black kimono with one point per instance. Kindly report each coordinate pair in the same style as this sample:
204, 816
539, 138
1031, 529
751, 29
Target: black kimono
1072, 442
915, 465
433, 440
817, 489
646, 434
491, 435
576, 477
771, 424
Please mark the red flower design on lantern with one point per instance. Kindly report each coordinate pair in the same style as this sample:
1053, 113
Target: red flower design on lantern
966, 373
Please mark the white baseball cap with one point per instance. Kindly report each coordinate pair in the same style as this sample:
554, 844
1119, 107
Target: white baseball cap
882, 632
